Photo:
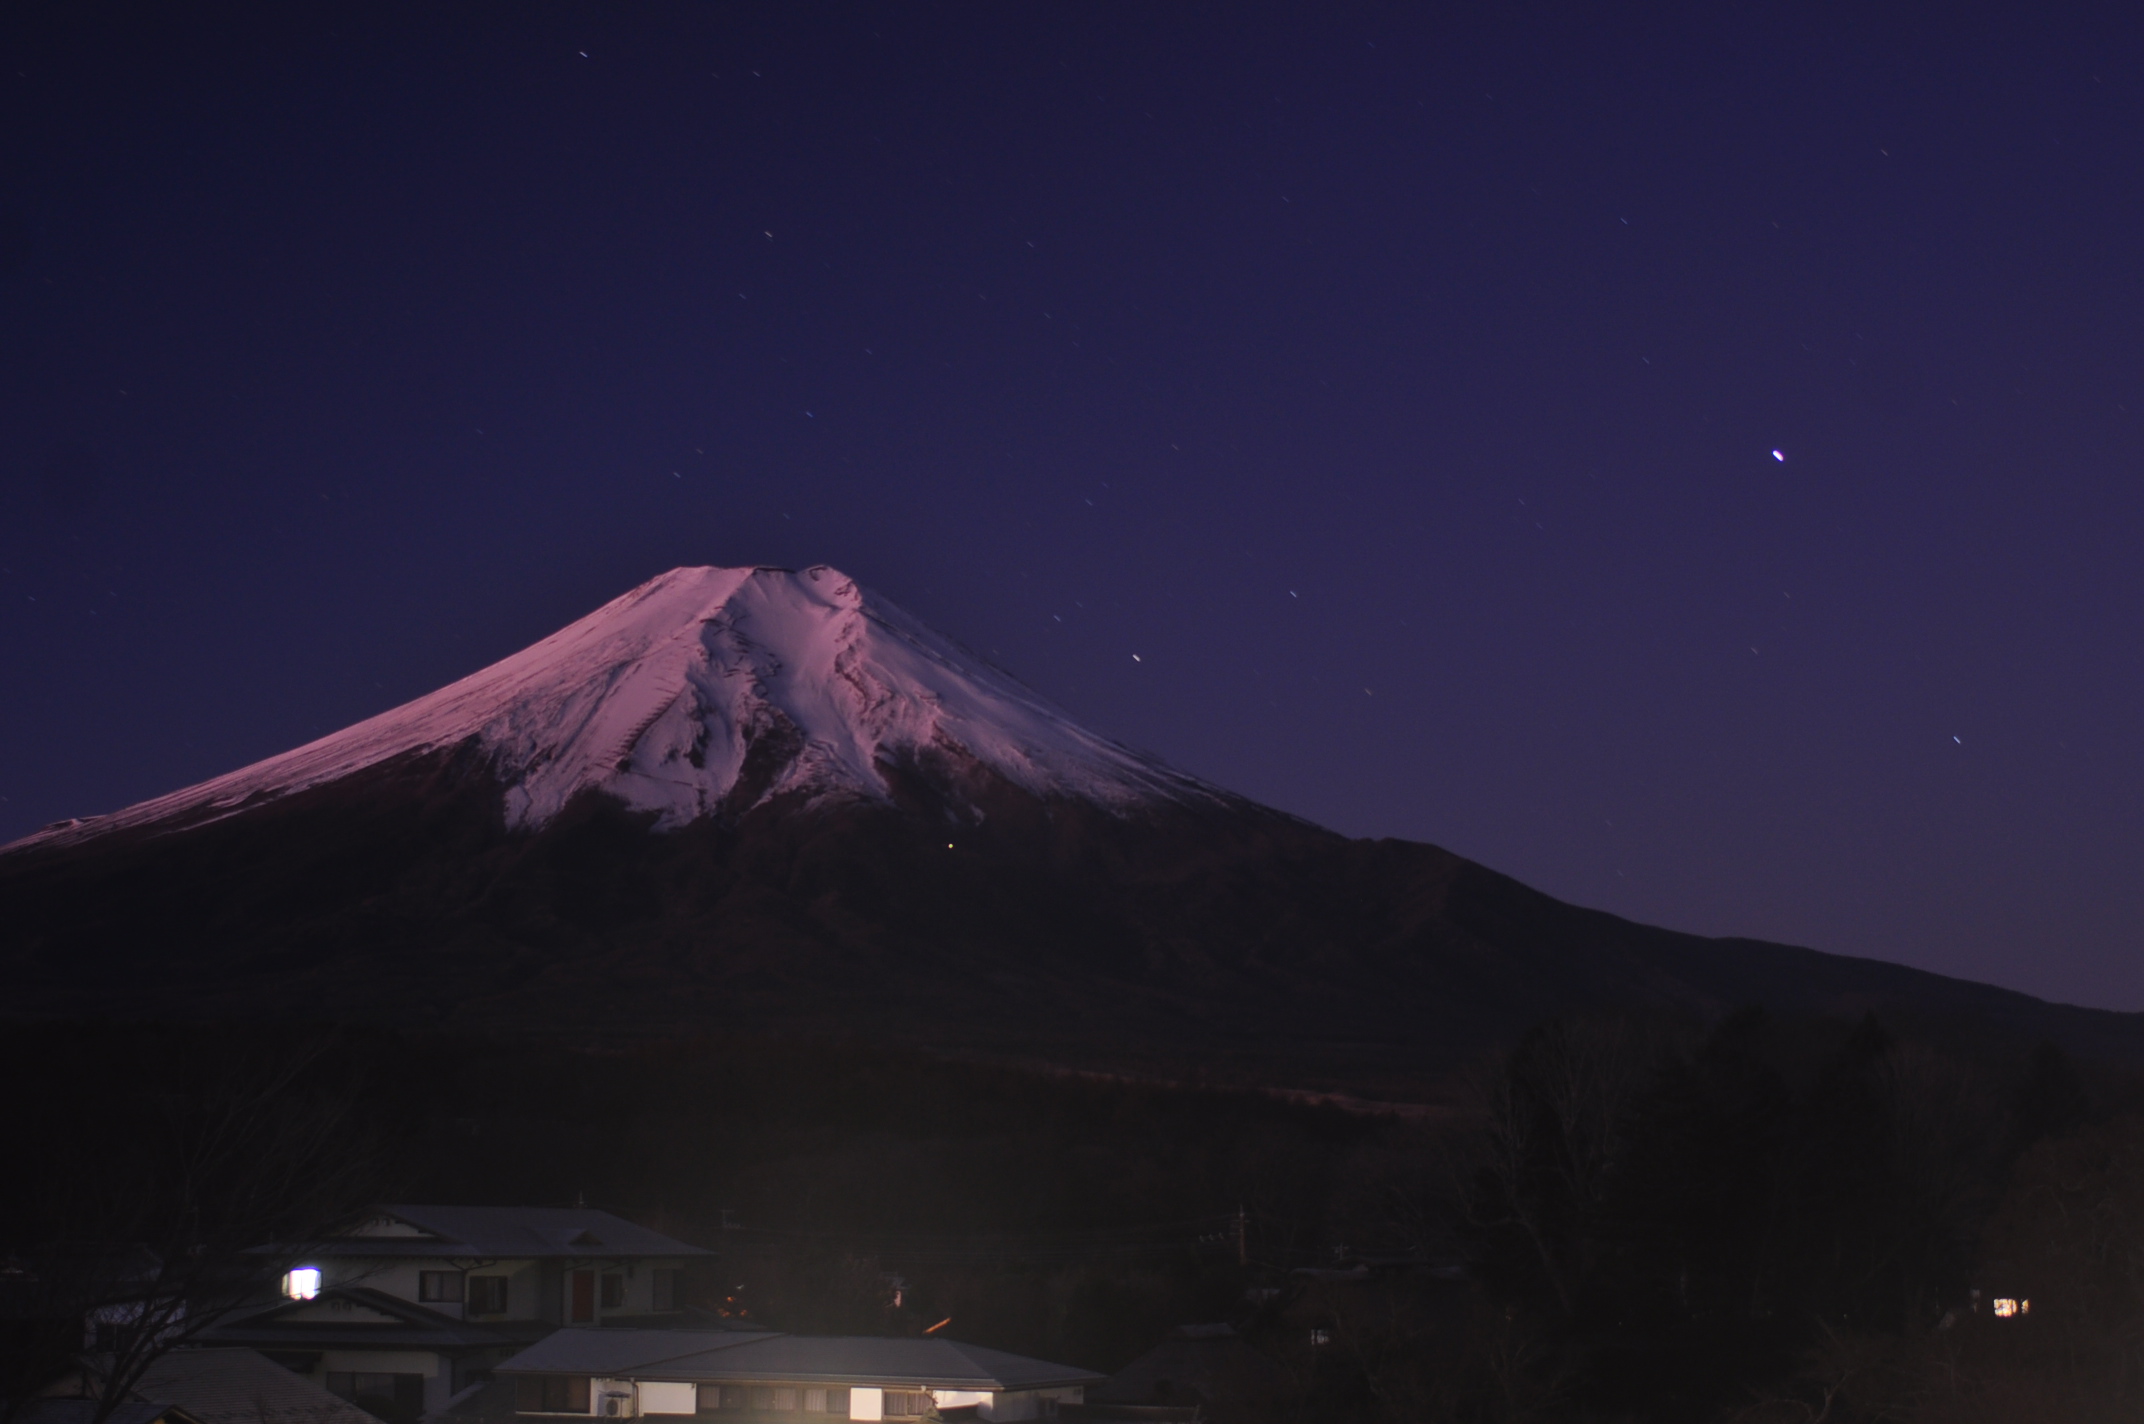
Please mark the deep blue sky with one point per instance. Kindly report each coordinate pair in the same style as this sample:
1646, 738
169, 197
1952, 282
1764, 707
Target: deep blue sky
1401, 390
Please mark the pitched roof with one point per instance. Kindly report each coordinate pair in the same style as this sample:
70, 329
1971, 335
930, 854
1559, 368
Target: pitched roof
1212, 1363
81, 1411
727, 1355
501, 1232
355, 1316
619, 1352
236, 1386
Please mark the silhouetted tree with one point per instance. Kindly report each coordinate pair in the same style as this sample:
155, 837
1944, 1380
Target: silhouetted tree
165, 1191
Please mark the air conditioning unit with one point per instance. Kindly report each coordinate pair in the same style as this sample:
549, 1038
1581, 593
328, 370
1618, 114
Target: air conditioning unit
617, 1406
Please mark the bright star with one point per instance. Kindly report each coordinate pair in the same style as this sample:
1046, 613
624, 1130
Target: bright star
1780, 456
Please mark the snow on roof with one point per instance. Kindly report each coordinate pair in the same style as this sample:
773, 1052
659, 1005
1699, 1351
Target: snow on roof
734, 1356
657, 697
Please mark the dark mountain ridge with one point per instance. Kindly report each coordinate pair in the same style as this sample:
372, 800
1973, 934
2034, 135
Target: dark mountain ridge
763, 801
1231, 936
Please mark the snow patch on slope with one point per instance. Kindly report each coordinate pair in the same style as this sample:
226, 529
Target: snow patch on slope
658, 697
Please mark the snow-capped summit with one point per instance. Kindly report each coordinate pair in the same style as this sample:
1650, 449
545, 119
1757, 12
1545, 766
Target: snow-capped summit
660, 697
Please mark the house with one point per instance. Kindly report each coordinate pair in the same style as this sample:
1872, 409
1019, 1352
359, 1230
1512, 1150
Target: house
406, 1312
230, 1386
764, 1377
203, 1387
1210, 1367
82, 1411
559, 1265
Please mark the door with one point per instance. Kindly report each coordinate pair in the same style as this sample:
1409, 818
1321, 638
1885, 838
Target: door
582, 1309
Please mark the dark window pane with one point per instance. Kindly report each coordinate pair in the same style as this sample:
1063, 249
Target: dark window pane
613, 1292
439, 1285
837, 1402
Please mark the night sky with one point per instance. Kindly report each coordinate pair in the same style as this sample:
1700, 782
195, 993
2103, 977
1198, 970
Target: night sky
1404, 392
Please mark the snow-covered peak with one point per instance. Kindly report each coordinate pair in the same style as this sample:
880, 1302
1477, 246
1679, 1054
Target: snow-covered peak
657, 697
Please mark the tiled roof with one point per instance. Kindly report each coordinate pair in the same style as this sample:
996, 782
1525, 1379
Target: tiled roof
81, 1411
619, 1352
709, 1355
509, 1232
235, 1386
311, 1324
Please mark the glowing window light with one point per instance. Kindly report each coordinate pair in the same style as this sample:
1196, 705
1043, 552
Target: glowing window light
2006, 1307
302, 1283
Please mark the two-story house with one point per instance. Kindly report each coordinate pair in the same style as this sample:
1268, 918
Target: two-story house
406, 1312
764, 1377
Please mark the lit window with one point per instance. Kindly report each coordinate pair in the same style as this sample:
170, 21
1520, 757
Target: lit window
2006, 1307
302, 1283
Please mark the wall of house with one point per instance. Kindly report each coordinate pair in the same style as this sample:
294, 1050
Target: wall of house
602, 1391
536, 1290
638, 1275
957, 1398
1017, 1403
524, 1287
438, 1375
668, 1397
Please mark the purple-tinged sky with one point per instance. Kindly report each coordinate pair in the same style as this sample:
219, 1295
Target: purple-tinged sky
1402, 389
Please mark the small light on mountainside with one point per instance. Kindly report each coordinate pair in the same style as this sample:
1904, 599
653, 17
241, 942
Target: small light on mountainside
302, 1283
2006, 1307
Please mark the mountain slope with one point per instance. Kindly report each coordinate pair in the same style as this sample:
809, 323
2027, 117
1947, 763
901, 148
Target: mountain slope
703, 692
763, 801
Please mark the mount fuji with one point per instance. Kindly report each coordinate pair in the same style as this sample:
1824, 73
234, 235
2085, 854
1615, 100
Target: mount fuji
706, 693
770, 801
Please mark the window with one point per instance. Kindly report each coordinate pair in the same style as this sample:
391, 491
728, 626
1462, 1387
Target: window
2006, 1307
580, 1297
487, 1295
302, 1283
815, 1401
613, 1292
664, 1284
907, 1403
551, 1394
396, 1398
439, 1285
837, 1402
